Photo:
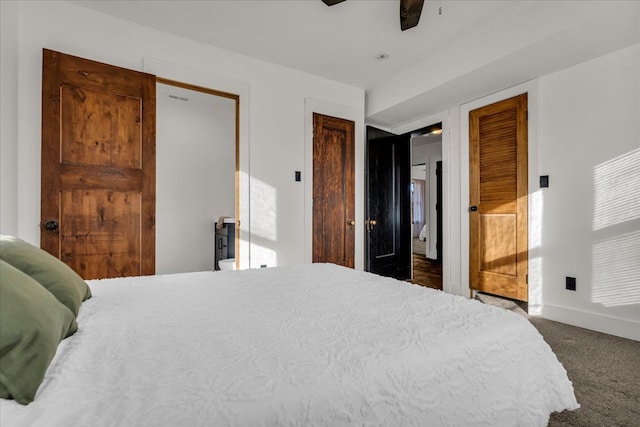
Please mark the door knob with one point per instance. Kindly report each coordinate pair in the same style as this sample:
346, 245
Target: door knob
51, 225
473, 208
370, 224
352, 222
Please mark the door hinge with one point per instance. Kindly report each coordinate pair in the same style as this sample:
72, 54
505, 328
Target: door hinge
526, 279
527, 114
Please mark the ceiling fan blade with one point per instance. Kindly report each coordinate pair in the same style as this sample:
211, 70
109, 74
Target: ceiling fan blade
410, 11
331, 2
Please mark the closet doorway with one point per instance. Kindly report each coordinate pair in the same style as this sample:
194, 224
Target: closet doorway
426, 206
197, 173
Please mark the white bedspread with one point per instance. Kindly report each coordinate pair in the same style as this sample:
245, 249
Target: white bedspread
312, 345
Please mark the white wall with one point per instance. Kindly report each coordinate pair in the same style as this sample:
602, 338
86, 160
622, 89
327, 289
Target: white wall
419, 171
196, 165
584, 132
590, 148
8, 118
274, 126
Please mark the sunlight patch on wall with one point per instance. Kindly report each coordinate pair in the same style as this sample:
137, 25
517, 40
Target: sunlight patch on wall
264, 209
534, 303
261, 255
535, 219
535, 258
616, 271
617, 190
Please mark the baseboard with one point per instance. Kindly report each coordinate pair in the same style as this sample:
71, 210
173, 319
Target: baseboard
624, 328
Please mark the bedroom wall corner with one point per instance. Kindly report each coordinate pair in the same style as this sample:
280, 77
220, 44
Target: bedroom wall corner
590, 148
9, 117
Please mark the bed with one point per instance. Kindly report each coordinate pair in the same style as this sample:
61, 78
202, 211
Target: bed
316, 344
423, 233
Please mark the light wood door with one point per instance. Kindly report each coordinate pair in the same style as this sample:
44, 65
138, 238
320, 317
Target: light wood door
498, 198
98, 167
333, 190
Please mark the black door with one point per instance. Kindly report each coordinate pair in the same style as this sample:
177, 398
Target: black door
388, 204
439, 210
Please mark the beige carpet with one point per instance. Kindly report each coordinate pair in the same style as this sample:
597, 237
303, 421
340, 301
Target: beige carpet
604, 369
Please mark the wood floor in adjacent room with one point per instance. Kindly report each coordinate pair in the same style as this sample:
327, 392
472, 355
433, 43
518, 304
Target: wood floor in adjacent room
426, 272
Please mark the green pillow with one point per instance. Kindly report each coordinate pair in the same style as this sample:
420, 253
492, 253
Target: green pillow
44, 268
32, 324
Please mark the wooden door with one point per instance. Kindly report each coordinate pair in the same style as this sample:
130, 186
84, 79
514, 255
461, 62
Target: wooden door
333, 190
389, 206
98, 167
498, 198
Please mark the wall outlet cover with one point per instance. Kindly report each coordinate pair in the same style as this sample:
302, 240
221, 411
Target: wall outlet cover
570, 283
544, 181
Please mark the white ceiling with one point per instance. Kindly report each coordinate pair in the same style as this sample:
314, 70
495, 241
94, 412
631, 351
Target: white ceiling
341, 42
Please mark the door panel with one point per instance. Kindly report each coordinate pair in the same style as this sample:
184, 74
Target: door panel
389, 206
100, 128
333, 190
499, 190
99, 221
98, 166
498, 238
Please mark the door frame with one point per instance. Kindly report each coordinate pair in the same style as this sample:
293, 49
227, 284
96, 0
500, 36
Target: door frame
319, 195
534, 197
313, 105
236, 99
450, 199
415, 132
206, 79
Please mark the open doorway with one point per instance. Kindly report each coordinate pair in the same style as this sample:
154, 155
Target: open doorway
426, 206
197, 176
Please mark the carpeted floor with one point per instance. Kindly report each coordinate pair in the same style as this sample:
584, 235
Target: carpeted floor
604, 369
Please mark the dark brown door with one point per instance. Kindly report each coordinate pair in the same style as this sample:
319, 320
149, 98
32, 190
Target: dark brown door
333, 190
498, 198
389, 204
98, 167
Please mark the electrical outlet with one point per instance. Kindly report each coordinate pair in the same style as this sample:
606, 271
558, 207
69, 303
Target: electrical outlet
571, 283
544, 181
